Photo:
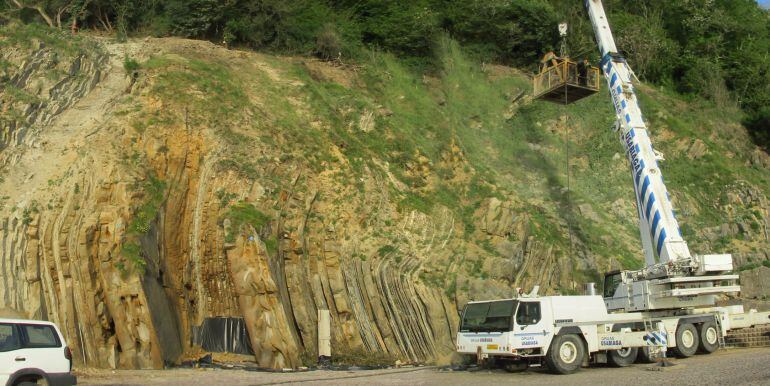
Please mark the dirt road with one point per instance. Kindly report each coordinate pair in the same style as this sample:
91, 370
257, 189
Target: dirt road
734, 367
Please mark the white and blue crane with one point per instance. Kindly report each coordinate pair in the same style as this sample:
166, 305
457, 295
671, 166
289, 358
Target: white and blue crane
668, 304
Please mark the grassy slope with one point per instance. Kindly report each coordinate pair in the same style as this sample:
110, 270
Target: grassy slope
517, 153
514, 152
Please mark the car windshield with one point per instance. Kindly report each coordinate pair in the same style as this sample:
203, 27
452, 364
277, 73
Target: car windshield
488, 316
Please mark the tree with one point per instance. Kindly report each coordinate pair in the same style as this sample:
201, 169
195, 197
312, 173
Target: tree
40, 6
509, 31
406, 28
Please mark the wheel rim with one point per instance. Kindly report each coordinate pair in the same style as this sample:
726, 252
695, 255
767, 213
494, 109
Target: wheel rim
711, 335
624, 352
688, 339
568, 352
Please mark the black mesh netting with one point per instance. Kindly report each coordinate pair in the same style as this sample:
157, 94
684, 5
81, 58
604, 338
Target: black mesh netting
223, 335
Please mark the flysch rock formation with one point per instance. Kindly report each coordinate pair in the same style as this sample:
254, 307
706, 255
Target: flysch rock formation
120, 220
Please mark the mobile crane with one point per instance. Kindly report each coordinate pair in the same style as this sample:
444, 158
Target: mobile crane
670, 303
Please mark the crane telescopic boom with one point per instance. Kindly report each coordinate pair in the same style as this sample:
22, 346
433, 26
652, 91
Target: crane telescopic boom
657, 223
672, 277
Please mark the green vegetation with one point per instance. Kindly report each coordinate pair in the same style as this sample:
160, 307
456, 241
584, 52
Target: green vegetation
17, 34
211, 88
712, 48
145, 214
154, 194
362, 357
26, 215
243, 213
753, 265
451, 289
132, 252
131, 66
224, 197
386, 250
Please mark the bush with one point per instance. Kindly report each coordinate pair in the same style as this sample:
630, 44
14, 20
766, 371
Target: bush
405, 28
130, 65
275, 24
132, 252
328, 44
193, 18
759, 127
509, 31
242, 214
154, 190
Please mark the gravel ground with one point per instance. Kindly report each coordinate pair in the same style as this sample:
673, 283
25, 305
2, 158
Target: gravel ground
734, 367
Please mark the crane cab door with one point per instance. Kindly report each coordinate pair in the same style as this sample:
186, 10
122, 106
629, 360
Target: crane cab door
615, 292
531, 329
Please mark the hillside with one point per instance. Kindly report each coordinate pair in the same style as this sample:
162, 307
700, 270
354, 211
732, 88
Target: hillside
150, 186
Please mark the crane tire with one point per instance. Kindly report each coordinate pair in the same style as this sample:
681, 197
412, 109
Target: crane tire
566, 354
687, 341
645, 356
709, 337
623, 357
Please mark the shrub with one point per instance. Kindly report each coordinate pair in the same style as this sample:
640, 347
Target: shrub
130, 65
407, 28
244, 213
511, 31
328, 43
131, 251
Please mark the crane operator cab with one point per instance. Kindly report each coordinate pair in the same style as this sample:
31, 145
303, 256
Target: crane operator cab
564, 81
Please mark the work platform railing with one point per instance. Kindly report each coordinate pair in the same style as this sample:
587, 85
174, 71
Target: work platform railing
563, 83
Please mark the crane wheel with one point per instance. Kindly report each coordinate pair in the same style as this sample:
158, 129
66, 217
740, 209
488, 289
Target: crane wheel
709, 337
566, 354
645, 356
687, 341
623, 357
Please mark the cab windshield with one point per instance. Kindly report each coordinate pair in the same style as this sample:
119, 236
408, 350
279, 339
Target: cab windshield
489, 316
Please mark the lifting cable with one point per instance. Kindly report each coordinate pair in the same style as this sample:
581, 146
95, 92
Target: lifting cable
566, 151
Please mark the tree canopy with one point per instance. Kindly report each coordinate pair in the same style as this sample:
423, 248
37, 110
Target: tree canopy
717, 49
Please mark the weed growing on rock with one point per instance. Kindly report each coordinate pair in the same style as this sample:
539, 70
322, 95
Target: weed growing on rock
132, 251
361, 357
154, 195
26, 215
240, 165
271, 244
385, 250
451, 289
244, 213
154, 190
224, 197
130, 65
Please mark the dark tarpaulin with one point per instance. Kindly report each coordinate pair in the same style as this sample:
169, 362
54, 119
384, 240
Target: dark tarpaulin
223, 335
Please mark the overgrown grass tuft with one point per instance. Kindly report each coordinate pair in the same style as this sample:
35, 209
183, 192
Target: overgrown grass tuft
154, 194
243, 213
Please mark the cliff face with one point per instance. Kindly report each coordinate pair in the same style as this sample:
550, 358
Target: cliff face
150, 186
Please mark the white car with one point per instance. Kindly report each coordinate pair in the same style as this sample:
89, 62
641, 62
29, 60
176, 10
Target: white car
33, 352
